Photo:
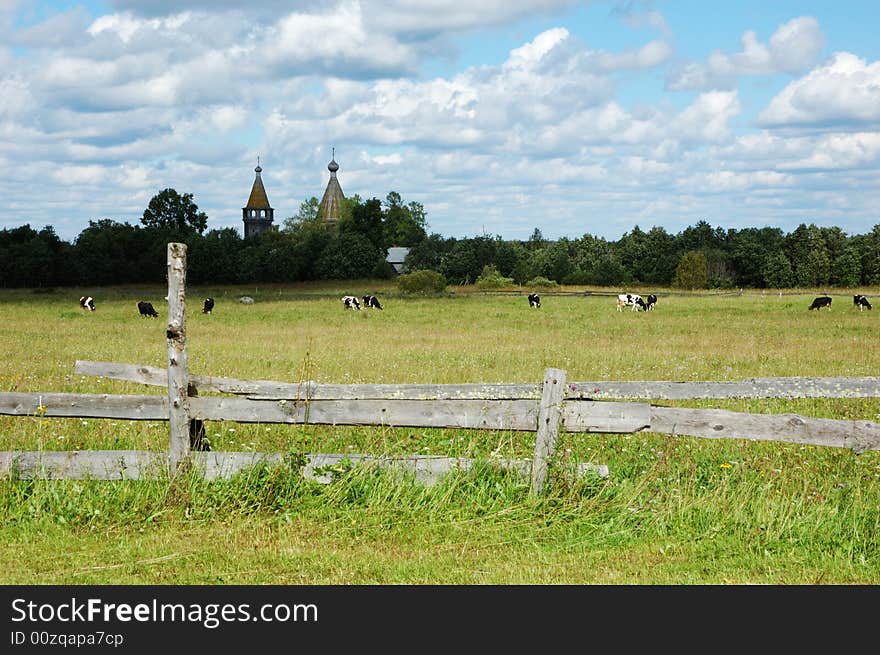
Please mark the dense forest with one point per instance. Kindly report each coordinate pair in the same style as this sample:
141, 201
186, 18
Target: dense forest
305, 247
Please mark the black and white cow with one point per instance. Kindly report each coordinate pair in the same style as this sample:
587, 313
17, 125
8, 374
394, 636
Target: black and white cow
87, 302
820, 302
630, 300
372, 302
208, 307
861, 302
146, 309
351, 302
534, 300
650, 301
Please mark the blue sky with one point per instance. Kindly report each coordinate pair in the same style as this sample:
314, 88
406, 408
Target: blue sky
499, 116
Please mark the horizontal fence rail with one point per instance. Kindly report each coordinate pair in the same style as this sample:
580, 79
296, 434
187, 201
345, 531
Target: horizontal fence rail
784, 387
319, 467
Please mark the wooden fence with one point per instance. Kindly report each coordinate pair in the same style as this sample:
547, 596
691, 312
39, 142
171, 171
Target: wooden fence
545, 409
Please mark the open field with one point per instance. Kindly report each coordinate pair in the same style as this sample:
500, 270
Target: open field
674, 510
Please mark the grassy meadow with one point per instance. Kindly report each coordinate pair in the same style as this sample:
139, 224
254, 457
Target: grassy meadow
673, 510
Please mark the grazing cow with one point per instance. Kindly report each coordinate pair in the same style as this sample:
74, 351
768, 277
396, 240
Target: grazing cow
534, 300
146, 309
630, 300
351, 302
650, 301
820, 302
861, 302
87, 302
208, 306
372, 301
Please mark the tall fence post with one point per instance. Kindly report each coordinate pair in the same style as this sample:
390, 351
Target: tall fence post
178, 376
549, 415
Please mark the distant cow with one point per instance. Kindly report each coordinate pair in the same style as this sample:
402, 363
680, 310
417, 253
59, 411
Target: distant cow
372, 301
208, 307
861, 302
534, 300
146, 309
820, 302
351, 302
650, 301
87, 302
630, 300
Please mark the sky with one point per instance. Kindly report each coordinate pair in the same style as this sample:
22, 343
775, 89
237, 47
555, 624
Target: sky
497, 116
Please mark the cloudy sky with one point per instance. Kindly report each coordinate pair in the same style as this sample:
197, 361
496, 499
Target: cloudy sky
498, 116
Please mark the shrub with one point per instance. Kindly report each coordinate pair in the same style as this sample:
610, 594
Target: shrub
490, 278
542, 282
421, 282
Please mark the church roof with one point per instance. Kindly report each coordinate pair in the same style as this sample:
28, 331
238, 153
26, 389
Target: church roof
331, 204
258, 198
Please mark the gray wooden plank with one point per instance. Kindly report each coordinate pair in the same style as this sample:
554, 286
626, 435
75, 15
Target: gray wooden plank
472, 414
787, 387
784, 387
722, 424
549, 416
80, 405
83, 464
603, 416
178, 374
143, 465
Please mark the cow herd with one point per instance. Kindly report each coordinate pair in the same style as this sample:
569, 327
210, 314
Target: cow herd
632, 300
144, 307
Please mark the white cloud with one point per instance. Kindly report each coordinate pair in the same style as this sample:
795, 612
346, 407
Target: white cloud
707, 118
126, 26
840, 151
844, 90
649, 55
793, 48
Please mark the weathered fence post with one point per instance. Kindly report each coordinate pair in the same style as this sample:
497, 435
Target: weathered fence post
178, 376
549, 415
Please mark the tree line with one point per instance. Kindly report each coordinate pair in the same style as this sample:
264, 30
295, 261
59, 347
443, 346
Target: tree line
305, 247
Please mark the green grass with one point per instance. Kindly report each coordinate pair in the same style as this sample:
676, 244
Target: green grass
674, 510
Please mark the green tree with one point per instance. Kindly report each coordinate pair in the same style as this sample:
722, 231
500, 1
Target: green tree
34, 259
108, 252
349, 256
869, 249
215, 258
366, 222
308, 211
777, 271
168, 210
692, 271
847, 269
749, 249
809, 256
404, 225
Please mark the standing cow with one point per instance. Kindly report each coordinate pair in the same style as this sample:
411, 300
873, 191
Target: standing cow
650, 301
146, 309
630, 300
351, 302
208, 307
372, 302
534, 300
861, 302
820, 302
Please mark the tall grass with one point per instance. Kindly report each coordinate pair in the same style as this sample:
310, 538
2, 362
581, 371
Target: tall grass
674, 510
